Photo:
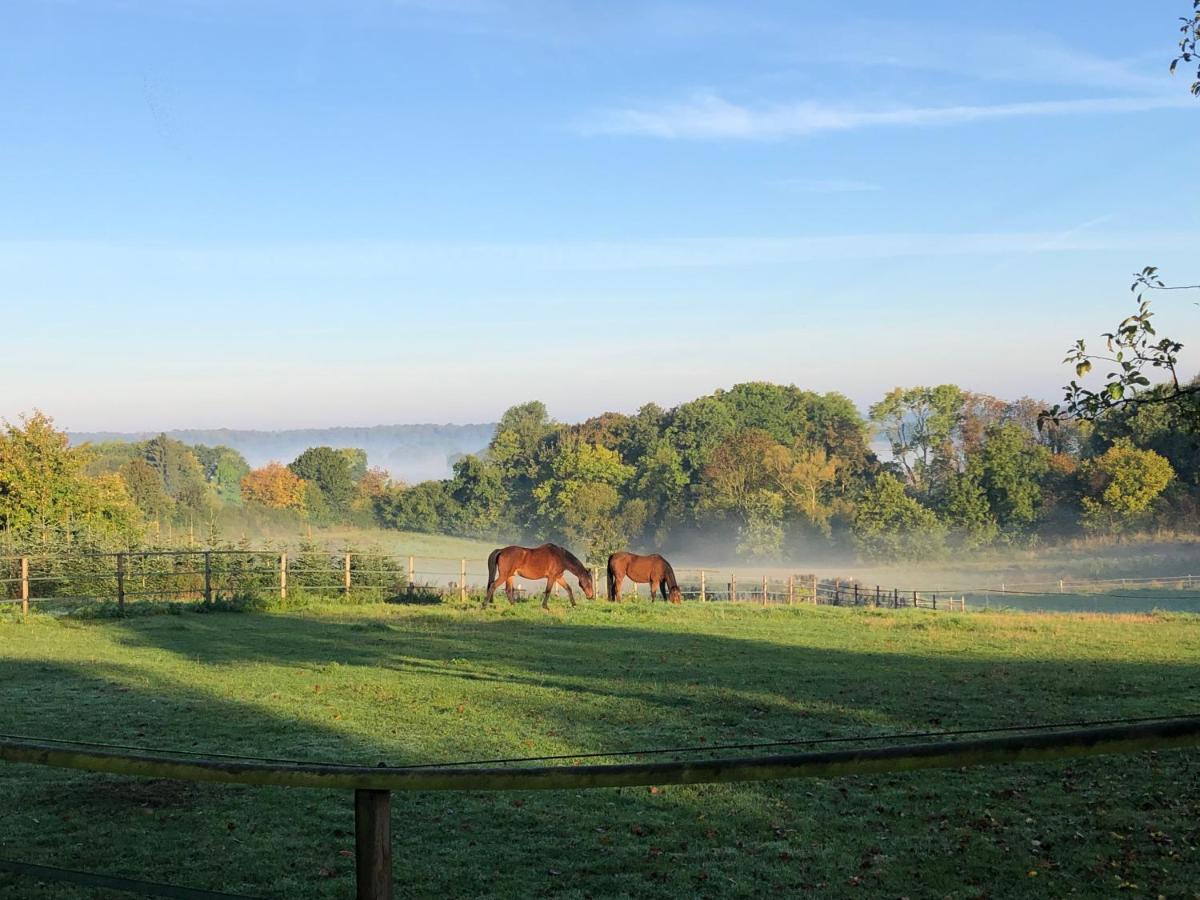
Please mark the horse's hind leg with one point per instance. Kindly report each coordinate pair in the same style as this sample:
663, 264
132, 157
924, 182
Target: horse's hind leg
508, 590
549, 587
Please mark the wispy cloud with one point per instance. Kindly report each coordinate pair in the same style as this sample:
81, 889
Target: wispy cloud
707, 116
827, 185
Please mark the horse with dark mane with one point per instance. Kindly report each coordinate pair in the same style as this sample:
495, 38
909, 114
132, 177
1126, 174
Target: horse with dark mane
548, 561
652, 570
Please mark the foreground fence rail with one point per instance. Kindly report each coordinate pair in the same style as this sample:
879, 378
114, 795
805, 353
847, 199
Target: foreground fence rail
372, 786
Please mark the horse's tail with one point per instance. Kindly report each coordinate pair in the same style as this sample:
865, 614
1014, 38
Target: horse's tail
493, 565
612, 577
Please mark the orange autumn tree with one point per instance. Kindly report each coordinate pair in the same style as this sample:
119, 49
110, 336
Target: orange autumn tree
275, 486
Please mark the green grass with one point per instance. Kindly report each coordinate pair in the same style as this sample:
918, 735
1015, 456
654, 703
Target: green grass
404, 684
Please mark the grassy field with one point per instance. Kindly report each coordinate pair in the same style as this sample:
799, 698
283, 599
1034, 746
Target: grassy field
421, 683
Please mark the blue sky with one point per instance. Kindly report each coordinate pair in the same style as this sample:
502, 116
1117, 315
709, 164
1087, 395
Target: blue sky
269, 214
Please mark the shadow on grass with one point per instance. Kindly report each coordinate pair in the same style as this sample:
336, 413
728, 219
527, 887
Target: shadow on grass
362, 688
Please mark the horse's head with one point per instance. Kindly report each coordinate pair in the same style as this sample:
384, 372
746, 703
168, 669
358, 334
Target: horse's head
674, 595
585, 582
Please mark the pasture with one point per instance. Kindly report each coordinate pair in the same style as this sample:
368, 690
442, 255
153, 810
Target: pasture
406, 684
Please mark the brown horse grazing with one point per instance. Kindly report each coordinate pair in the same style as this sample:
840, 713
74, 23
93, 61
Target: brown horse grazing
548, 561
652, 570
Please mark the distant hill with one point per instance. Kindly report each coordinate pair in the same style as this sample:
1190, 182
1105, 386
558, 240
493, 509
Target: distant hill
408, 452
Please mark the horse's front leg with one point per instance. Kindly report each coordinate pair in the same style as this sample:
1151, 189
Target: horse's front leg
570, 593
652, 596
549, 587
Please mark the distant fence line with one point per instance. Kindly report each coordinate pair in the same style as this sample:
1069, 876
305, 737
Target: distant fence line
225, 574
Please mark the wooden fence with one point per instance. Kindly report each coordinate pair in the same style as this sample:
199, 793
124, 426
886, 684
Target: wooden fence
224, 574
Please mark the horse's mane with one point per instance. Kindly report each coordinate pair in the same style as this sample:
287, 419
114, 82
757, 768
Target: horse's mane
573, 560
671, 582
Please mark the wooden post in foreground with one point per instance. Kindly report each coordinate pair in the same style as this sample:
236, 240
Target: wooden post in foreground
346, 574
373, 845
121, 583
208, 576
791, 589
24, 585
732, 585
283, 576
702, 597
815, 600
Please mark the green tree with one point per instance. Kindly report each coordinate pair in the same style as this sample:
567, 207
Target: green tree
695, 429
1011, 468
581, 497
223, 469
1122, 483
890, 525
356, 461
920, 424
145, 488
330, 471
966, 510
181, 474
46, 496
425, 507
478, 490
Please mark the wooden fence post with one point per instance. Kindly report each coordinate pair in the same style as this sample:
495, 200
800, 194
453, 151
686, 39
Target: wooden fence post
791, 589
702, 595
837, 592
733, 585
895, 598
914, 598
856, 593
764, 590
283, 575
412, 574
121, 584
462, 580
877, 596
346, 574
24, 585
208, 576
372, 845
815, 601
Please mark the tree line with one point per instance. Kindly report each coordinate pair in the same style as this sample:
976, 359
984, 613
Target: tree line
776, 471
766, 471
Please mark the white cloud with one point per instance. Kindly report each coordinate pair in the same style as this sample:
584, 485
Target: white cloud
709, 116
